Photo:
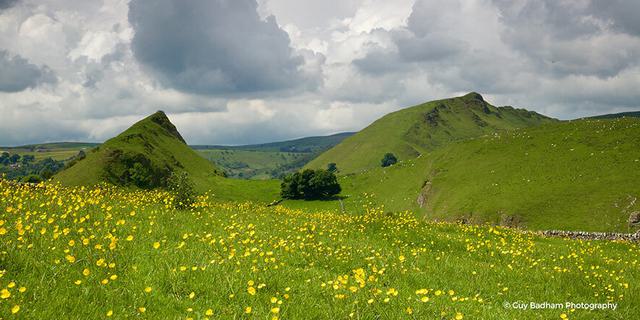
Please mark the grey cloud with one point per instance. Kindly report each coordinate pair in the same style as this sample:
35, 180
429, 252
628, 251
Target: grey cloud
622, 14
423, 40
17, 73
430, 47
6, 4
379, 61
213, 47
571, 37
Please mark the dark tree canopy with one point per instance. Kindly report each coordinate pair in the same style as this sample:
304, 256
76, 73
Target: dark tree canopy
388, 160
310, 184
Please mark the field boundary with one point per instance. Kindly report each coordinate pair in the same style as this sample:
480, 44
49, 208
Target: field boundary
583, 235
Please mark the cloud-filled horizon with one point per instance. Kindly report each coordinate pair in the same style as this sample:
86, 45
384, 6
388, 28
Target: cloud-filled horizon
254, 71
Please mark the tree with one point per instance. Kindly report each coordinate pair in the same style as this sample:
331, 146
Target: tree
182, 188
323, 184
32, 178
310, 184
332, 167
4, 158
140, 175
27, 158
388, 160
289, 187
14, 158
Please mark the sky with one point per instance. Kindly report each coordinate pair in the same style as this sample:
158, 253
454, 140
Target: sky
253, 71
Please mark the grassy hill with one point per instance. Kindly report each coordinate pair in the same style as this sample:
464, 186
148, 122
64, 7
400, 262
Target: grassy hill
546, 174
573, 175
149, 150
417, 130
578, 175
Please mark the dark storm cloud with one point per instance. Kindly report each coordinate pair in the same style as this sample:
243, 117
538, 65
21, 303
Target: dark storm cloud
217, 46
379, 61
5, 4
17, 74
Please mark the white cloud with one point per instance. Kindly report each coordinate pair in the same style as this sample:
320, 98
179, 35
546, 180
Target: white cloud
350, 62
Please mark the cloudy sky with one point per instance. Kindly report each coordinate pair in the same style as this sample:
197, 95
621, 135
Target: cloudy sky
247, 71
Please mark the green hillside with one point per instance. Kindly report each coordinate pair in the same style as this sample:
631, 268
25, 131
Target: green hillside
574, 175
152, 148
417, 130
577, 175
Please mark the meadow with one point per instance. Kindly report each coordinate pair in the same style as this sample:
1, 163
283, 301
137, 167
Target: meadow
106, 252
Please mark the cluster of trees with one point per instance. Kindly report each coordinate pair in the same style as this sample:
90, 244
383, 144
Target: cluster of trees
310, 184
26, 169
389, 159
9, 159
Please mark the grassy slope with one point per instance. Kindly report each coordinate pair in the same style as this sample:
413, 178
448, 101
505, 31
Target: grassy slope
578, 175
145, 137
319, 265
420, 129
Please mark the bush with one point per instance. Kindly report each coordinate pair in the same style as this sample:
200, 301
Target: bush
182, 188
332, 167
32, 178
388, 160
310, 184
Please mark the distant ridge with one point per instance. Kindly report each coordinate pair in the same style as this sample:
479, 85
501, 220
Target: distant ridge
143, 155
632, 114
306, 144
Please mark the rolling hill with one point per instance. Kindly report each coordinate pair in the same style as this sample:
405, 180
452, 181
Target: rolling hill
574, 175
547, 174
143, 155
417, 130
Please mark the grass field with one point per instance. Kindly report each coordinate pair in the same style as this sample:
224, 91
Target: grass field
56, 151
92, 253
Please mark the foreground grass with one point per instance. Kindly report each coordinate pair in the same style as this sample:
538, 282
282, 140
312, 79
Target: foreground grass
104, 252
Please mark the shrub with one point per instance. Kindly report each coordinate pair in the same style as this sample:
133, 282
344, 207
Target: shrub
32, 178
182, 188
388, 160
332, 167
310, 184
